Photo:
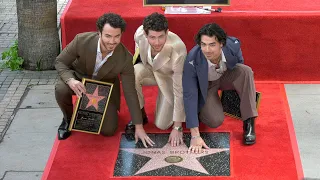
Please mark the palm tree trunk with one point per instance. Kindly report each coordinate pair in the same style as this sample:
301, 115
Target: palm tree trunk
38, 39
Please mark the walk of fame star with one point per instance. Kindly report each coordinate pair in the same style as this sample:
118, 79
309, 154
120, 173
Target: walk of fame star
94, 99
163, 160
158, 157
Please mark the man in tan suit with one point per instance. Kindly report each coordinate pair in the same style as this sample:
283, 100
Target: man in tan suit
100, 56
162, 54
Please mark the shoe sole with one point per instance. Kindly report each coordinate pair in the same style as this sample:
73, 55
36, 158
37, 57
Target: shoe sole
67, 136
249, 142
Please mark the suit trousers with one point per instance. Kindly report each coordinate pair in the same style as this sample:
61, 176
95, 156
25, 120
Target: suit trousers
240, 79
64, 94
164, 110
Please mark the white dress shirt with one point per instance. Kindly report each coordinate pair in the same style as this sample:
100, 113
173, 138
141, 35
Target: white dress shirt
99, 60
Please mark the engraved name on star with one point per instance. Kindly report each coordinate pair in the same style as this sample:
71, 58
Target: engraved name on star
94, 99
158, 156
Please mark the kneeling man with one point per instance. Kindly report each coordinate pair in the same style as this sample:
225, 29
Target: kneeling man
162, 55
215, 63
100, 56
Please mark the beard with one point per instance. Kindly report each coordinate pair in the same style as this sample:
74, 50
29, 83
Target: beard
108, 46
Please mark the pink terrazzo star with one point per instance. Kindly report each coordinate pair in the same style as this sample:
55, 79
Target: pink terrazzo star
94, 99
158, 156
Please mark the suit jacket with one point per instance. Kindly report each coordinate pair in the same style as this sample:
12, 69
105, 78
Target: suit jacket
167, 69
195, 78
78, 59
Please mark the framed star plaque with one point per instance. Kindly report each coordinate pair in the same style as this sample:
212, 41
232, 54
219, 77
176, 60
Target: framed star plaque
231, 103
91, 108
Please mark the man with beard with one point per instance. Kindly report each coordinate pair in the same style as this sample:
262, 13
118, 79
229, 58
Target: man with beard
216, 63
100, 56
161, 58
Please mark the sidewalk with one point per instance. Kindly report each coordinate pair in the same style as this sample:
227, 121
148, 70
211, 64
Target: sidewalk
27, 143
13, 84
24, 148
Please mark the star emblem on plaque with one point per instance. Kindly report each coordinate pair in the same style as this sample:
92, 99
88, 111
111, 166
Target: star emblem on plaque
94, 99
164, 160
90, 109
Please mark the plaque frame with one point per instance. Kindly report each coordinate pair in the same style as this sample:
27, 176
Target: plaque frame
223, 92
79, 100
189, 4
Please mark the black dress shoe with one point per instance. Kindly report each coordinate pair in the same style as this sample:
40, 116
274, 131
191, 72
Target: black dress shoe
130, 127
63, 132
249, 135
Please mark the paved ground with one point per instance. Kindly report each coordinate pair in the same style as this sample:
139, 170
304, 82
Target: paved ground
14, 84
28, 142
29, 115
21, 145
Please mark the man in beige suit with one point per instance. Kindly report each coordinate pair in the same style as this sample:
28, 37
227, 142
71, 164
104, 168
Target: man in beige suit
162, 54
100, 56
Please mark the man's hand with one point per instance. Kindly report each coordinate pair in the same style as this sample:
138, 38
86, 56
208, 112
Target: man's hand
141, 134
196, 142
77, 87
175, 138
196, 145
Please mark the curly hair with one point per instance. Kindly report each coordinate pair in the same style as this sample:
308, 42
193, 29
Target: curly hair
155, 22
211, 30
115, 21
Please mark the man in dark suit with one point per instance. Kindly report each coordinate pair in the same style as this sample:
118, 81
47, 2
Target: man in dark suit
100, 56
215, 63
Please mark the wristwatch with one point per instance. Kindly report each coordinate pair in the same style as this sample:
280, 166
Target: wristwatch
178, 128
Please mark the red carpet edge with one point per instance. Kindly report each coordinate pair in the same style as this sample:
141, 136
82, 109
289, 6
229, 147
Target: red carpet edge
50, 159
292, 133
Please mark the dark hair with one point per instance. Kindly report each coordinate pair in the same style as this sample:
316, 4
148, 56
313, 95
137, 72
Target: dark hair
155, 22
211, 30
113, 19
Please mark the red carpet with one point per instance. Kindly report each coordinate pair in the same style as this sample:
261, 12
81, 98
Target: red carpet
274, 156
279, 38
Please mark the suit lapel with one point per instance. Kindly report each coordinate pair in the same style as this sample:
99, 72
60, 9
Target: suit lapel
162, 58
202, 72
107, 66
144, 46
228, 55
91, 56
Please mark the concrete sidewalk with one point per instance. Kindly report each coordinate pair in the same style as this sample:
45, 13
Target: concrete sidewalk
28, 142
14, 84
